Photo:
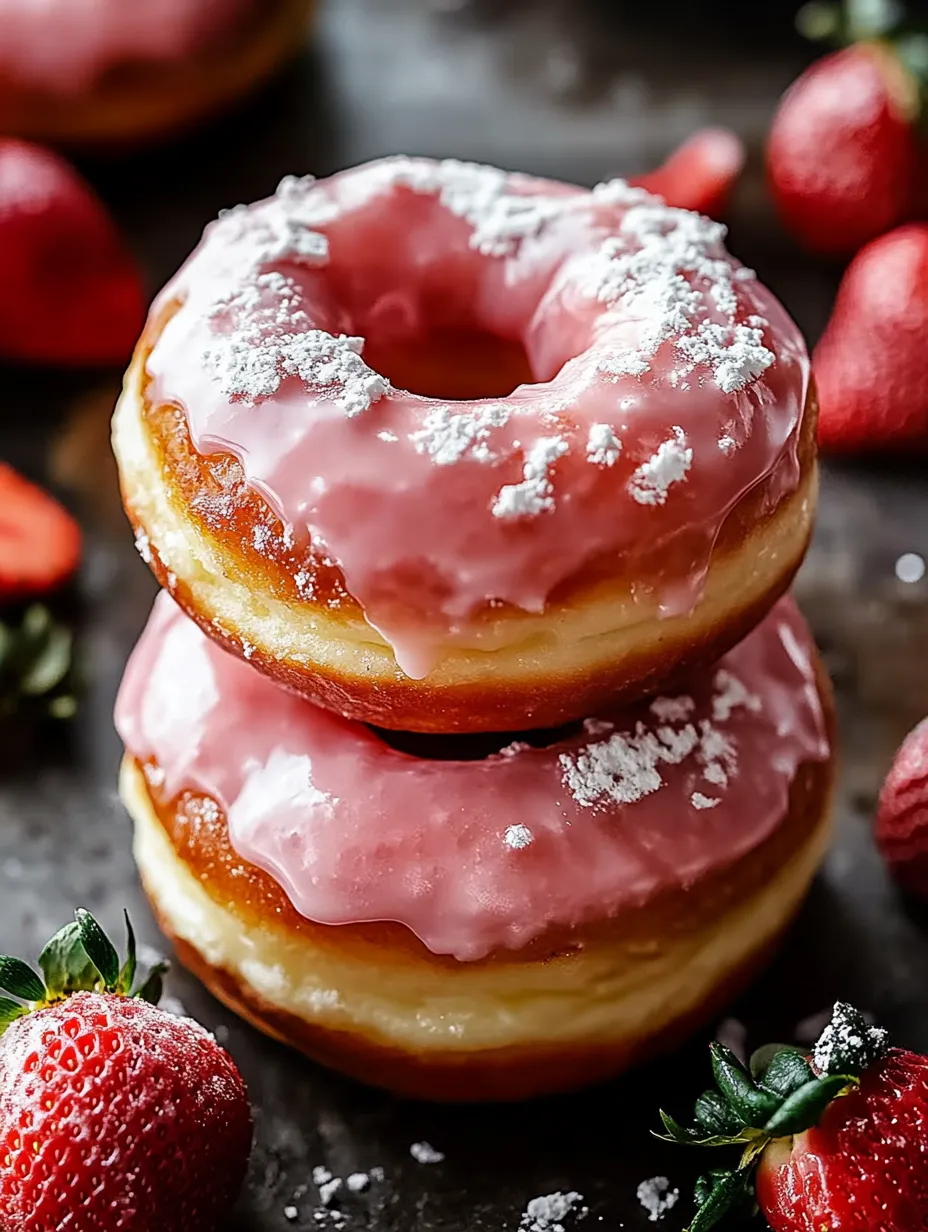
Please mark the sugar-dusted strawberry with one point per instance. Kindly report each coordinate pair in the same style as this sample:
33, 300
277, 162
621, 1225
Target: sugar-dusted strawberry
902, 816
40, 543
70, 292
700, 174
844, 152
835, 1140
113, 1113
870, 364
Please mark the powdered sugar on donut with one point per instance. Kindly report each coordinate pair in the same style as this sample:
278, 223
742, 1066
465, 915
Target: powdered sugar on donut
618, 450
627, 766
488, 854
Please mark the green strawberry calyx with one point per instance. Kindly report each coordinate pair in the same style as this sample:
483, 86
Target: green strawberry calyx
36, 664
79, 958
783, 1091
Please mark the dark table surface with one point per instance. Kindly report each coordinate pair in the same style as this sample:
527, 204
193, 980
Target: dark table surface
576, 90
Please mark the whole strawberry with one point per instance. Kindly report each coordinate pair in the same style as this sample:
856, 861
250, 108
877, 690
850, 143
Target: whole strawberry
113, 1113
902, 815
838, 1140
870, 364
70, 292
843, 152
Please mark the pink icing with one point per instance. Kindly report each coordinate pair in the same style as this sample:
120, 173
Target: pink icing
474, 856
65, 45
668, 383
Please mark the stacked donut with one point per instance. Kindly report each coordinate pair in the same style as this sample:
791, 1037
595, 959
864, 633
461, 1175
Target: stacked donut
474, 749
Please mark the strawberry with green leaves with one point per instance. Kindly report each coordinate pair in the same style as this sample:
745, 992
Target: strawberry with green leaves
113, 1113
837, 1140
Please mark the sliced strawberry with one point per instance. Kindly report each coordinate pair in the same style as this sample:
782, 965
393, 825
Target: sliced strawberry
70, 292
40, 543
700, 174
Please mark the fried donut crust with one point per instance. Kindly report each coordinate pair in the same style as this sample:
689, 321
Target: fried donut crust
199, 524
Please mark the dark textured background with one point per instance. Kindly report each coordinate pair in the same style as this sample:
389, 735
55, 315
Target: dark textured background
576, 90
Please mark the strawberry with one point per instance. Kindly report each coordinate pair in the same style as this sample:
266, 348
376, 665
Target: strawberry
70, 292
870, 363
835, 1140
700, 174
113, 1113
40, 543
842, 151
902, 816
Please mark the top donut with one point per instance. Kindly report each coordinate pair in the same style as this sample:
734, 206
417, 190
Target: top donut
450, 449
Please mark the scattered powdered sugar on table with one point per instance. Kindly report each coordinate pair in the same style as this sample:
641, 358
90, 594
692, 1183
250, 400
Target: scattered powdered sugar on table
518, 836
624, 767
261, 337
657, 1198
651, 482
535, 493
447, 435
602, 445
546, 1213
425, 1153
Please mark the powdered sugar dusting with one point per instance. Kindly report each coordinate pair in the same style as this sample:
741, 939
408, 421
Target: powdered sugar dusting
518, 836
651, 482
546, 1213
668, 268
699, 801
482, 196
603, 446
625, 766
535, 493
657, 1198
447, 435
261, 338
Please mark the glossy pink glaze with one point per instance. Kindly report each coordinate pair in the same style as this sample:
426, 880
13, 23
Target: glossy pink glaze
64, 46
476, 856
639, 328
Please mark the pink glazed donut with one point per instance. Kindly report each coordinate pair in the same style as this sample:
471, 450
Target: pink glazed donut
527, 920
120, 71
446, 449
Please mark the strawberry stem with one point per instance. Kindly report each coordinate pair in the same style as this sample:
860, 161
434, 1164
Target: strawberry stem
785, 1093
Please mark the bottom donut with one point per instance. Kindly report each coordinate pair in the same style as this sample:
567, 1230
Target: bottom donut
493, 928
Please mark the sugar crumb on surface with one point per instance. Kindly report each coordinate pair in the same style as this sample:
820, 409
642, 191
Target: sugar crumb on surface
657, 1198
653, 479
547, 1212
535, 492
425, 1153
518, 836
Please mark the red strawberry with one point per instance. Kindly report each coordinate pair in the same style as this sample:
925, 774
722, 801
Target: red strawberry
870, 363
700, 174
902, 816
842, 152
69, 290
113, 1114
838, 1140
40, 543
864, 1166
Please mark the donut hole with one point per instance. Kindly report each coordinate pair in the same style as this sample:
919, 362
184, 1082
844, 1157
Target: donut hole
454, 365
438, 318
476, 746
